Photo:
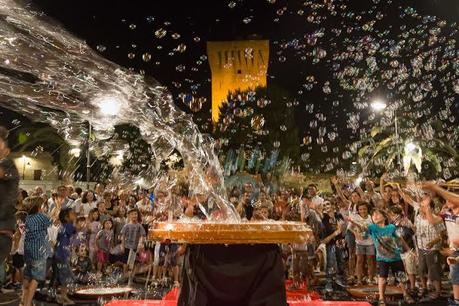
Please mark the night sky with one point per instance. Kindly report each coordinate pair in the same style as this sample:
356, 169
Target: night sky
119, 28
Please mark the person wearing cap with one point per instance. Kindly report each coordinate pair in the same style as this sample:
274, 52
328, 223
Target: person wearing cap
9, 187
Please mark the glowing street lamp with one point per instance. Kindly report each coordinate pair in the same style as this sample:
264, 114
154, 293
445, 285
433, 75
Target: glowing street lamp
410, 147
109, 106
378, 105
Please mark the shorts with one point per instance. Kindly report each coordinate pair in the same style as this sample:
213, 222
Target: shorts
368, 250
123, 257
395, 266
430, 264
18, 261
102, 256
350, 240
163, 252
454, 271
35, 269
62, 273
409, 261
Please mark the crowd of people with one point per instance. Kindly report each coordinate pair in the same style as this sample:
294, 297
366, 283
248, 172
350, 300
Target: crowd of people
362, 233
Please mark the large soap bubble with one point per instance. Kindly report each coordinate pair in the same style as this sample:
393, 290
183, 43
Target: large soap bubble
51, 76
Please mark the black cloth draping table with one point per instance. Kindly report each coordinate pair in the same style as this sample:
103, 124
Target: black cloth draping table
242, 275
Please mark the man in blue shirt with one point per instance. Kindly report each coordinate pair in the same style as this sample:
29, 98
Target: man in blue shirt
9, 181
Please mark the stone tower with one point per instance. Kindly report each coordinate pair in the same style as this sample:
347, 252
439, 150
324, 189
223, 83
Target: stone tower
236, 65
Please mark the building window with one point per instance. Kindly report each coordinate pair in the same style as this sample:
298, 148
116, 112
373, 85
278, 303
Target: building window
239, 71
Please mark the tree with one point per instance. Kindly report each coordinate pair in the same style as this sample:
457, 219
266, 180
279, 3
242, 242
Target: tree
257, 123
379, 152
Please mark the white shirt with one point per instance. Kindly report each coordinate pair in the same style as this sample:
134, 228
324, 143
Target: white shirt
316, 200
366, 240
452, 227
53, 230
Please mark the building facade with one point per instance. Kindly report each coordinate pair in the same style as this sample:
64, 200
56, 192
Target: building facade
236, 65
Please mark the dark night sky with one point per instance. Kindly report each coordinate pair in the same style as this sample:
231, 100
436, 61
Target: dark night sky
107, 23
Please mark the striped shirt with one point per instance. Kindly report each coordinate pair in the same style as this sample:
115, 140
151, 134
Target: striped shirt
452, 227
426, 232
36, 236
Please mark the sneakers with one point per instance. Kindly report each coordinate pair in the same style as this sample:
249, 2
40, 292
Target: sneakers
63, 299
452, 302
14, 286
5, 290
340, 283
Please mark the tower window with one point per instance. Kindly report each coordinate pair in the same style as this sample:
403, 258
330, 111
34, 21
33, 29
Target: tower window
239, 71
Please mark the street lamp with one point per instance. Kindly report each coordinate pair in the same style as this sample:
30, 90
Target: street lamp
379, 105
410, 147
109, 106
24, 160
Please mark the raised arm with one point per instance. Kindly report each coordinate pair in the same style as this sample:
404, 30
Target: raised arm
445, 194
340, 193
430, 216
406, 198
382, 182
362, 194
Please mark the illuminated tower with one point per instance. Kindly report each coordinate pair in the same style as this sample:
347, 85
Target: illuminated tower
236, 65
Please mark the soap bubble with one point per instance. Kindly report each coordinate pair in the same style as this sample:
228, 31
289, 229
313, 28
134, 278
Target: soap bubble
146, 57
160, 33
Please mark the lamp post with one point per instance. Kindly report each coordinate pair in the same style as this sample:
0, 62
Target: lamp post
24, 159
378, 106
88, 158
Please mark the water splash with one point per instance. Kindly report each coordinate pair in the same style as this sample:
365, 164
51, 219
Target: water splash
51, 76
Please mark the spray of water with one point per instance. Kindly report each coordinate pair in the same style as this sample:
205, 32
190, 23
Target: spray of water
50, 76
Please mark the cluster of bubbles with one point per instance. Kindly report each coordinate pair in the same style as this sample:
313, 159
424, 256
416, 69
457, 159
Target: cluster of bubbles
378, 50
58, 79
346, 56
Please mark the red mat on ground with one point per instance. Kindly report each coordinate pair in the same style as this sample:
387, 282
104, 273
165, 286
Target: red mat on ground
301, 294
300, 297
292, 295
173, 303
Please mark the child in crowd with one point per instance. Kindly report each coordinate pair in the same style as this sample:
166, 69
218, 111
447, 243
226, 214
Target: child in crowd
365, 249
81, 235
88, 202
387, 253
104, 242
35, 248
332, 236
101, 208
133, 235
93, 229
168, 254
62, 273
82, 265
17, 250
